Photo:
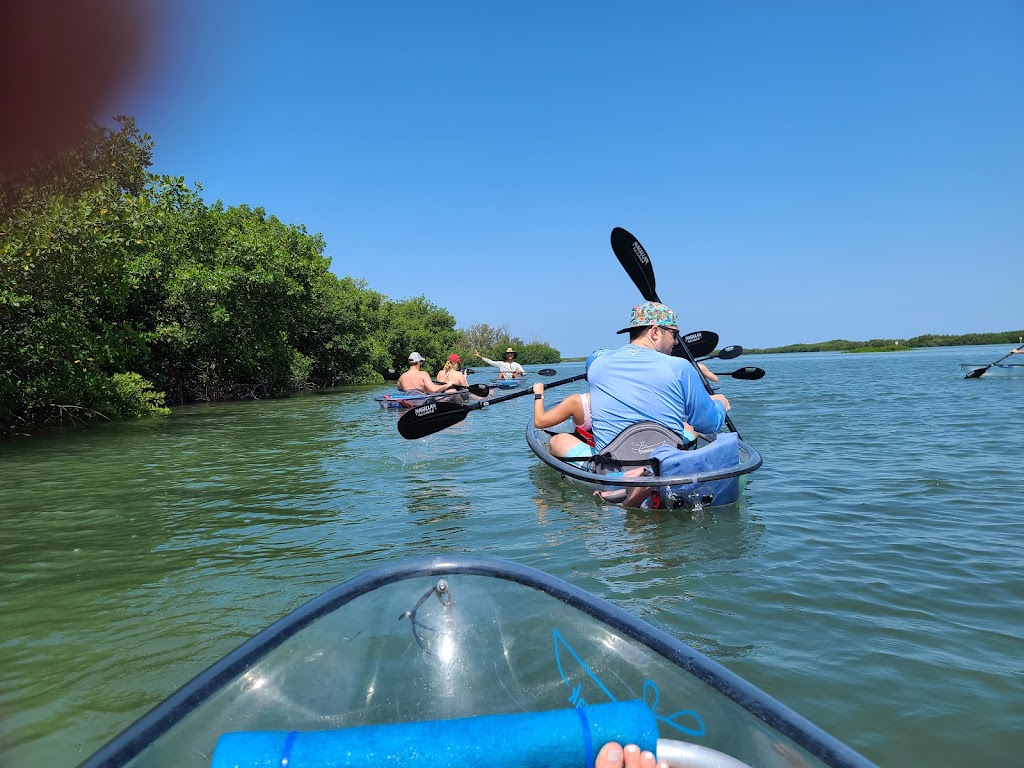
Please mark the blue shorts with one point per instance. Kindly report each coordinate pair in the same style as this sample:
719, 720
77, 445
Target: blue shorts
580, 450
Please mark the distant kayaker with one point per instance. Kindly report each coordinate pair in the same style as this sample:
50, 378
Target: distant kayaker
418, 380
575, 407
451, 374
507, 367
641, 381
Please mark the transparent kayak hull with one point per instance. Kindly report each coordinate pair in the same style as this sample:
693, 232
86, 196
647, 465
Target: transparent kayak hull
414, 399
463, 637
718, 486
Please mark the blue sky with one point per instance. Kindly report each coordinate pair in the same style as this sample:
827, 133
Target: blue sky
798, 171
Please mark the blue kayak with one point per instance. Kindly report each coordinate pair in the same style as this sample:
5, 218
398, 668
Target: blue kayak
435, 662
507, 383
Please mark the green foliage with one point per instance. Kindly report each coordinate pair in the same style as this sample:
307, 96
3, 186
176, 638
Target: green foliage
887, 348
933, 340
417, 325
536, 353
492, 342
877, 345
340, 336
118, 286
102, 157
131, 395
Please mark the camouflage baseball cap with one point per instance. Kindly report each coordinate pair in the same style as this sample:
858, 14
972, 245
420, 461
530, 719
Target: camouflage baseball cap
651, 313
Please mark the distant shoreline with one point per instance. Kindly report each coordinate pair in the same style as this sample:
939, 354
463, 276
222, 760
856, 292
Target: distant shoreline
1013, 338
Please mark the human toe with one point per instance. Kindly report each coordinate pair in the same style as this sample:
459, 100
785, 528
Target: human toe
610, 756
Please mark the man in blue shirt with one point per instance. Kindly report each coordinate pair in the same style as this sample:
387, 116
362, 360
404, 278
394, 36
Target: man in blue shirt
643, 382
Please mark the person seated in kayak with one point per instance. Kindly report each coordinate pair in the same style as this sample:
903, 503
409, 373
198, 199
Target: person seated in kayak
507, 367
575, 407
641, 381
451, 374
614, 755
418, 380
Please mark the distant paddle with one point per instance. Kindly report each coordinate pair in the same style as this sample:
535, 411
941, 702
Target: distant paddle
728, 353
748, 374
428, 419
637, 263
546, 372
480, 390
978, 372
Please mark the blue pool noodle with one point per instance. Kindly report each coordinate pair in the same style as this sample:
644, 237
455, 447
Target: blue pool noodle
564, 738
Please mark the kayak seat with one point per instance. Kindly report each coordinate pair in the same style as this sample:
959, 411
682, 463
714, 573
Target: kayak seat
633, 446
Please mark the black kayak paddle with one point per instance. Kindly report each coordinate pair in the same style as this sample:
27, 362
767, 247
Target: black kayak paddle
978, 372
480, 390
749, 373
729, 353
428, 419
637, 263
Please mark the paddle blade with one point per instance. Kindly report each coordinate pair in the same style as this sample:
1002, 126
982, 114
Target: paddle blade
700, 343
730, 353
480, 390
635, 261
979, 371
469, 371
428, 419
546, 372
747, 374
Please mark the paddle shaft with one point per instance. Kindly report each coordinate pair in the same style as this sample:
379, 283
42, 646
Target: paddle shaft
637, 263
521, 393
978, 372
431, 418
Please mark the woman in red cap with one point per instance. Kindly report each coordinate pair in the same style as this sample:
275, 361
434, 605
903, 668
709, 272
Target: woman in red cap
451, 374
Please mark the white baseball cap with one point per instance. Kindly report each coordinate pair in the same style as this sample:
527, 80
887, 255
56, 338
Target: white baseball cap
415, 357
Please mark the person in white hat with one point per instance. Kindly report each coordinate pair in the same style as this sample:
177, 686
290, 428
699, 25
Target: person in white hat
418, 380
507, 367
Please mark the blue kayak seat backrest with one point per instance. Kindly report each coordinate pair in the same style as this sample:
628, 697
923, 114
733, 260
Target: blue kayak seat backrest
633, 446
722, 452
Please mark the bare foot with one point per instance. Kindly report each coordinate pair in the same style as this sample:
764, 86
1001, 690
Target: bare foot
612, 755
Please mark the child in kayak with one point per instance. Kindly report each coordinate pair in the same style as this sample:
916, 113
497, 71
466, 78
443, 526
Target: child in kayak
575, 407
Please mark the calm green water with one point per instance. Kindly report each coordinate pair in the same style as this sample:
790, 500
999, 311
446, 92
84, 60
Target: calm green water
870, 579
